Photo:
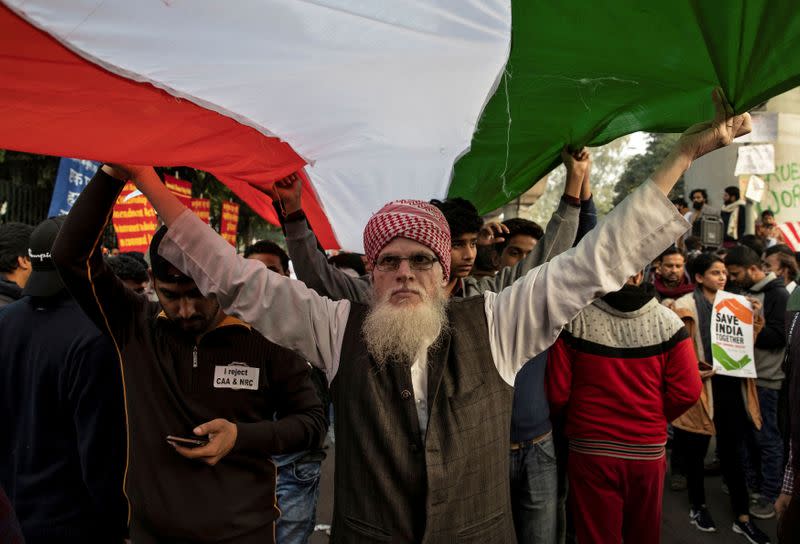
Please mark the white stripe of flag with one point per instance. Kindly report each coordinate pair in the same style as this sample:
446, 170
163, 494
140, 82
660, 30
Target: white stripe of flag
791, 233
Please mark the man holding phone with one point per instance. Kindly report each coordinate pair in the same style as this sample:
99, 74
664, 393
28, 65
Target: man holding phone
201, 391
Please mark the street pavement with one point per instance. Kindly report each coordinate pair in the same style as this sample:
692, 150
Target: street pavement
675, 528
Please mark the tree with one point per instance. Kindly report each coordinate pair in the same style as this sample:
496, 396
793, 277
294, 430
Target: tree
639, 168
27, 168
608, 163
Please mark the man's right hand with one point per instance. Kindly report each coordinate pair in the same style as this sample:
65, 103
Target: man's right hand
578, 164
287, 193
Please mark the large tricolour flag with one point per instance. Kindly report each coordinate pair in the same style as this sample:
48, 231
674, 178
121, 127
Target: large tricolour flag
374, 100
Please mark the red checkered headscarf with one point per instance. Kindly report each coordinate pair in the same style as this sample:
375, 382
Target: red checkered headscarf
413, 219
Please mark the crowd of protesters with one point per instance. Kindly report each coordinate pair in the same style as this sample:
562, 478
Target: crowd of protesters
488, 382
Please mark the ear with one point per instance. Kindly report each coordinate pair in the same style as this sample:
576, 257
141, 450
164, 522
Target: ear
23, 262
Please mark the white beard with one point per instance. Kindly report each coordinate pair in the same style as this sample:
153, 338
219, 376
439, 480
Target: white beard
400, 333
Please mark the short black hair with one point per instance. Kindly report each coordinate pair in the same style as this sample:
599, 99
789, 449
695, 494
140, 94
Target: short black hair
159, 265
348, 260
461, 215
694, 243
767, 213
14, 240
680, 202
517, 225
742, 256
139, 256
268, 247
779, 248
753, 242
671, 250
702, 263
126, 267
733, 191
701, 191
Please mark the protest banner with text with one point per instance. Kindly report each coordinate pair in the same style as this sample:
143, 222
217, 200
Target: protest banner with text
73, 175
180, 188
202, 209
134, 221
230, 222
732, 336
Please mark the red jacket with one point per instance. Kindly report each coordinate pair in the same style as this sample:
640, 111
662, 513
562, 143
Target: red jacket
622, 376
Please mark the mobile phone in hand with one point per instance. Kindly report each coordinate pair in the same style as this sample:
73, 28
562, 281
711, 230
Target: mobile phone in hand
194, 442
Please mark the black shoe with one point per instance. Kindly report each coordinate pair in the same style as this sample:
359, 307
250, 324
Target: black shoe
753, 534
701, 519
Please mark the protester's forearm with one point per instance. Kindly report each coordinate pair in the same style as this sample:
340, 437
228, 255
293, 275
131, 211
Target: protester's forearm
587, 219
78, 257
167, 205
671, 169
572, 188
313, 269
293, 433
586, 187
285, 311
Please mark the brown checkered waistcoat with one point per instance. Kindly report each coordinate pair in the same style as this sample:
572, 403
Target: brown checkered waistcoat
391, 484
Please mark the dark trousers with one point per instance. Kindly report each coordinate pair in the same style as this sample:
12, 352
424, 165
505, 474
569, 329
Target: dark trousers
676, 453
732, 423
764, 452
693, 448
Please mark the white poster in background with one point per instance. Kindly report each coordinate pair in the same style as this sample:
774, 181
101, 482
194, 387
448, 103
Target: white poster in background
756, 187
732, 336
755, 159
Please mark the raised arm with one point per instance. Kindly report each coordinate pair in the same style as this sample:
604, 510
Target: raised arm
587, 220
283, 310
526, 318
77, 255
313, 269
558, 237
310, 264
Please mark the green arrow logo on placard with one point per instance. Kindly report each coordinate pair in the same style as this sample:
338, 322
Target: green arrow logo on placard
727, 361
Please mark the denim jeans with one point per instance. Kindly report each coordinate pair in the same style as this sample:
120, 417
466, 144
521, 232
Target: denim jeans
297, 493
764, 455
534, 489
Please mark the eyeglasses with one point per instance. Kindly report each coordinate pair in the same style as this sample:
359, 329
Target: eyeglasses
419, 261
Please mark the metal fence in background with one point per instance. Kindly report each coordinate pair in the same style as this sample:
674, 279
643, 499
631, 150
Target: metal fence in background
23, 203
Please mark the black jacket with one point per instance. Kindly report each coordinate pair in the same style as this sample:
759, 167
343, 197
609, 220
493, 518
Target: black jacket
172, 385
9, 292
771, 341
62, 441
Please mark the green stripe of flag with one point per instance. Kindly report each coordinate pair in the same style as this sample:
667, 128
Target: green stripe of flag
585, 73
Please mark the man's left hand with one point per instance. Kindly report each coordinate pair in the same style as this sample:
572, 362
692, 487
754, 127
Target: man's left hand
221, 438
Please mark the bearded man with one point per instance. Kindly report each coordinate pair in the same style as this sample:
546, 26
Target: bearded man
422, 386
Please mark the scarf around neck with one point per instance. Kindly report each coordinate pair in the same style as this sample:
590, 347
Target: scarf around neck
630, 298
704, 308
